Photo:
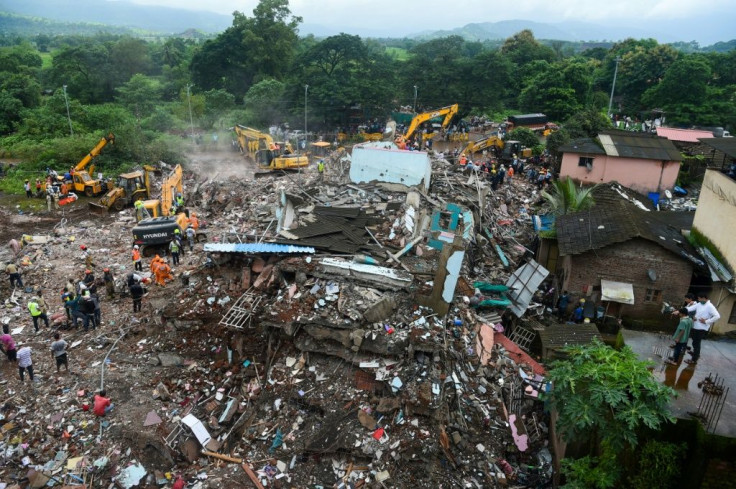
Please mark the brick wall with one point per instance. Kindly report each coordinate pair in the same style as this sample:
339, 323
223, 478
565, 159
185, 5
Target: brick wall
628, 262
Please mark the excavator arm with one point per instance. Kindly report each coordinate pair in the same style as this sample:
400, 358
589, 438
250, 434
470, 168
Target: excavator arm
110, 138
171, 186
251, 140
481, 144
449, 112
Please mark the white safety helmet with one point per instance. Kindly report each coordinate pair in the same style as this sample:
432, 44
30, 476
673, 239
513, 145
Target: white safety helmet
135, 247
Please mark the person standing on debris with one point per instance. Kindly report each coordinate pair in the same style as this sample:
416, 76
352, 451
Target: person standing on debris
174, 250
137, 263
87, 308
136, 292
58, 351
109, 280
25, 363
37, 313
191, 233
72, 303
321, 169
12, 270
98, 309
179, 240
163, 273
682, 333
27, 188
88, 260
102, 404
89, 281
562, 303
578, 314
8, 345
705, 315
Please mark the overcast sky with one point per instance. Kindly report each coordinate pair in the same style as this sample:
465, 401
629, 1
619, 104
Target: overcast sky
411, 16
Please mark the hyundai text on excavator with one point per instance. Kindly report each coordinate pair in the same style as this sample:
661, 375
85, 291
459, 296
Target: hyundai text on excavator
268, 155
448, 113
153, 234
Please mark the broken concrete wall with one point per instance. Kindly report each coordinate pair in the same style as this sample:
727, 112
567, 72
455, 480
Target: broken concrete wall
383, 162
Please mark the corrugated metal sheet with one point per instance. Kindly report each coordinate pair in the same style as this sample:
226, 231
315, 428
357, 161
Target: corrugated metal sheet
717, 268
643, 146
608, 146
683, 135
256, 248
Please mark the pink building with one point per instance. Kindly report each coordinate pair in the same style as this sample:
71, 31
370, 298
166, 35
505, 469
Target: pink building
643, 162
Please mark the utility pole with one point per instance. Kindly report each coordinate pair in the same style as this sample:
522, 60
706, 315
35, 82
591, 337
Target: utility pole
191, 120
69, 118
306, 89
415, 99
613, 86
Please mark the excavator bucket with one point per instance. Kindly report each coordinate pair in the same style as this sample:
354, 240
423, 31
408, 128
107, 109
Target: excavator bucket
97, 208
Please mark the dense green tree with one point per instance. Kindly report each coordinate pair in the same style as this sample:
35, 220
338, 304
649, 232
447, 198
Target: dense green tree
129, 57
524, 135
640, 69
603, 398
217, 102
21, 58
587, 123
265, 102
140, 95
10, 112
522, 48
559, 91
684, 82
23, 87
251, 49
86, 71
555, 140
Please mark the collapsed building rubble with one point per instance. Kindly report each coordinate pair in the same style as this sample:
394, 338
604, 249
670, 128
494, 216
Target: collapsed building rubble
325, 336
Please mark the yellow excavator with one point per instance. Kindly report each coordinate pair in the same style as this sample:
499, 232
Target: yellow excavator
449, 112
82, 182
170, 188
128, 188
481, 144
268, 154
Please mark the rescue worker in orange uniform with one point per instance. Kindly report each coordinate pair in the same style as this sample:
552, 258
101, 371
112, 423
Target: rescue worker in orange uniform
163, 273
137, 262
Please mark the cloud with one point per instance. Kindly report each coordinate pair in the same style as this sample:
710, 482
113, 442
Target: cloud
418, 15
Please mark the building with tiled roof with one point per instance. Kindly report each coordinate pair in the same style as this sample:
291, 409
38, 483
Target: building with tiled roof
644, 162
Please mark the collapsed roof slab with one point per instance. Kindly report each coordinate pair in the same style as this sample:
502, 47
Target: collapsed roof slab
379, 277
384, 162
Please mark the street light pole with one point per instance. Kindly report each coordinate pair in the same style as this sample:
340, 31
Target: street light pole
69, 118
306, 89
613, 86
191, 120
415, 98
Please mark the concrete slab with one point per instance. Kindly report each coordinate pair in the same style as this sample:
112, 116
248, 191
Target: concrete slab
716, 357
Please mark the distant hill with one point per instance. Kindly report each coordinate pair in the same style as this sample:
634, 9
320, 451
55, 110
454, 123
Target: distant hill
19, 25
563, 31
119, 13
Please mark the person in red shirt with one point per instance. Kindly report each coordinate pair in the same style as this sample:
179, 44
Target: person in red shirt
102, 404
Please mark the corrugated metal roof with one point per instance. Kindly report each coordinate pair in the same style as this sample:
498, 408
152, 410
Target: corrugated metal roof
642, 146
717, 268
683, 135
725, 145
256, 248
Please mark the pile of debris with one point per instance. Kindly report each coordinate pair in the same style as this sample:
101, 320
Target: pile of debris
332, 339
